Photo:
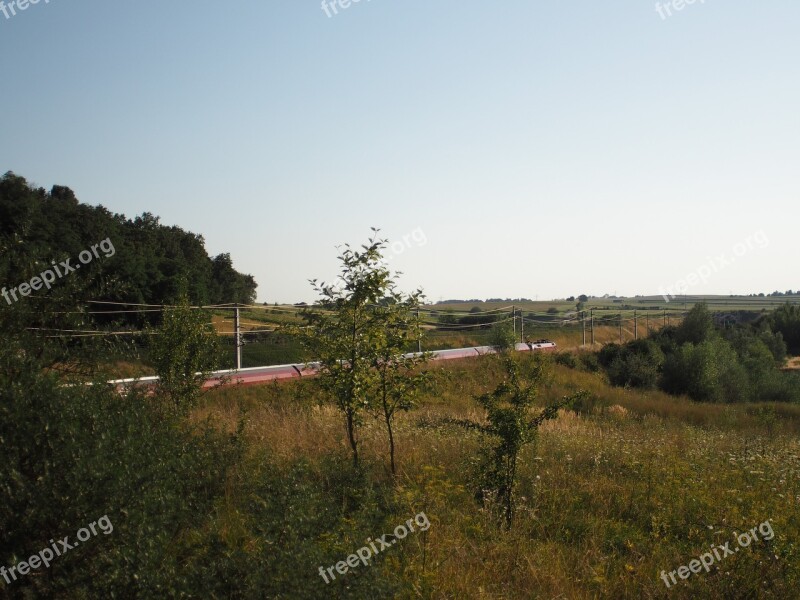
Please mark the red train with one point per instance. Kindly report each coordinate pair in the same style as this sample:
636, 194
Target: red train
256, 375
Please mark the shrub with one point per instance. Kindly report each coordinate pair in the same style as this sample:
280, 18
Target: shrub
566, 359
786, 321
74, 454
709, 371
589, 362
502, 337
509, 429
633, 370
636, 364
608, 353
184, 350
697, 327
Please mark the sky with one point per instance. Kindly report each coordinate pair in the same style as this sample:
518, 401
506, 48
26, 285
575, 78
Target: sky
523, 148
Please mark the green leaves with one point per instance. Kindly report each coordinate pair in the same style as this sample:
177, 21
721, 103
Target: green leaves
358, 332
37, 227
786, 321
183, 350
72, 454
511, 427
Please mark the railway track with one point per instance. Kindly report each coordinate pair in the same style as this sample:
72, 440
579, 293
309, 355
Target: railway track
259, 375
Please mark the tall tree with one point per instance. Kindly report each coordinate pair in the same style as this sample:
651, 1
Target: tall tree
356, 333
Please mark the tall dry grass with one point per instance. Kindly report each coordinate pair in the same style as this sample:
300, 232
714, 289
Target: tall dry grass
633, 484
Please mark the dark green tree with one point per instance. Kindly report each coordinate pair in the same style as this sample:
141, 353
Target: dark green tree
636, 364
786, 321
709, 371
184, 350
697, 327
149, 262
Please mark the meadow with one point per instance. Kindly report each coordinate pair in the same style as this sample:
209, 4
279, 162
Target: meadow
617, 490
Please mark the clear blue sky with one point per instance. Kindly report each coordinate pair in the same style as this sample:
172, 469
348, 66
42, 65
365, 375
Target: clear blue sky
545, 148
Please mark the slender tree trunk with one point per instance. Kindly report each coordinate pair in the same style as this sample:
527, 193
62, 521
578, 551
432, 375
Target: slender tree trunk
351, 411
511, 475
351, 434
388, 416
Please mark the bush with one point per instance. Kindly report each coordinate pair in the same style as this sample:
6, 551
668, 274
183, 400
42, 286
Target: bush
589, 362
741, 366
709, 371
636, 364
697, 327
502, 337
633, 370
566, 359
608, 353
72, 455
639, 365
786, 321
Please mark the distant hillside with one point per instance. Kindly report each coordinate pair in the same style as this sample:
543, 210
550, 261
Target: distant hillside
151, 263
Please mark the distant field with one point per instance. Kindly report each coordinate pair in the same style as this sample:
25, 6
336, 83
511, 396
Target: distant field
716, 303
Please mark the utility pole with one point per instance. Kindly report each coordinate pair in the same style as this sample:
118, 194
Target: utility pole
521, 326
635, 326
591, 313
620, 328
237, 339
419, 333
583, 325
514, 319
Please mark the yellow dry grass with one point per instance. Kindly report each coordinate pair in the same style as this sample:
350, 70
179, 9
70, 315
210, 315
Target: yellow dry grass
638, 483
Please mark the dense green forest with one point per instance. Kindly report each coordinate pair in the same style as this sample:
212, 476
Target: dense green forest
151, 263
708, 363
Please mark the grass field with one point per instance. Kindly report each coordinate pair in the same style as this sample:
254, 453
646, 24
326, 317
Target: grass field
631, 484
655, 303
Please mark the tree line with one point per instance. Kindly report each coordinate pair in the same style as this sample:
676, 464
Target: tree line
153, 264
710, 363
